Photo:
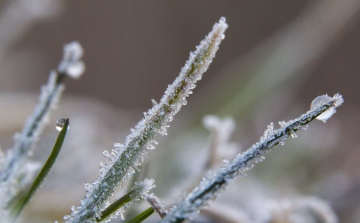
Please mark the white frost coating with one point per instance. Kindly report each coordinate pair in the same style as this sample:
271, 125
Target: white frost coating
214, 183
139, 191
17, 170
119, 167
17, 157
71, 63
156, 205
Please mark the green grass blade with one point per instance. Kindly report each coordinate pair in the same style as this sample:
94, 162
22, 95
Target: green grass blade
17, 209
142, 216
115, 206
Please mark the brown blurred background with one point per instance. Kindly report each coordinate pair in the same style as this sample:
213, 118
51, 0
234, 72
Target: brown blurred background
276, 58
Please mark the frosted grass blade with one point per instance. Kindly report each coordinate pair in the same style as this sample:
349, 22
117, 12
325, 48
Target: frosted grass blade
214, 183
123, 161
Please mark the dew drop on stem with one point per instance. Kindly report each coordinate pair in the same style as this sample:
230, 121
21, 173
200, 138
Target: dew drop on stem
320, 101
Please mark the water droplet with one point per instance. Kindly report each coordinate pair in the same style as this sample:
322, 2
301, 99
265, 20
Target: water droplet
60, 124
320, 101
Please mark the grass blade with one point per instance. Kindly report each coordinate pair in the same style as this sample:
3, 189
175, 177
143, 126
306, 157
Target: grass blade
115, 206
17, 209
142, 216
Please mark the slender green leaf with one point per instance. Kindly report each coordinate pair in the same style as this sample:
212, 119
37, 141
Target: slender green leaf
142, 216
115, 206
17, 209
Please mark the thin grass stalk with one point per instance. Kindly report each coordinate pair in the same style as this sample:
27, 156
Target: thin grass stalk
211, 185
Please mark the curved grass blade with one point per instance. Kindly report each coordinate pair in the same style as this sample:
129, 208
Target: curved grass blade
20, 205
142, 216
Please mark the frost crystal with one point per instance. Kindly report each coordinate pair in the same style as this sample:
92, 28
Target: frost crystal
117, 168
214, 183
17, 170
157, 206
71, 63
24, 142
139, 191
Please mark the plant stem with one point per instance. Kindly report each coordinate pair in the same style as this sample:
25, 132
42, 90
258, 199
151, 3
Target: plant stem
142, 216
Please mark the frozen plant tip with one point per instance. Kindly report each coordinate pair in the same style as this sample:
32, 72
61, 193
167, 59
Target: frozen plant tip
156, 205
72, 65
15, 169
123, 161
211, 185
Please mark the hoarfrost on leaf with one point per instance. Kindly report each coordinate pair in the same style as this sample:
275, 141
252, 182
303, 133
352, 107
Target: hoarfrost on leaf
119, 167
214, 183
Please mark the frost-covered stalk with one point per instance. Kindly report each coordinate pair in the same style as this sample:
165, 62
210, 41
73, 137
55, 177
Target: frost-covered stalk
123, 160
17, 159
210, 186
139, 191
156, 205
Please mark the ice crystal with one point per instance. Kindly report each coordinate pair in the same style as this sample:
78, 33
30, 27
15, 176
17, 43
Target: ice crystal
71, 63
214, 183
115, 170
156, 205
24, 142
139, 191
16, 168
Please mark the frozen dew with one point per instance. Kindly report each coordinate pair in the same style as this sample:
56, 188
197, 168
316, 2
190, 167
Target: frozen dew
72, 65
320, 101
73, 51
60, 124
76, 69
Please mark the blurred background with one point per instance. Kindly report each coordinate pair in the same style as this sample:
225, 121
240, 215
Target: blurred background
276, 58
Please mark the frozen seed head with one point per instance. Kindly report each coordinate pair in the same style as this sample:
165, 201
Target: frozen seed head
325, 99
60, 124
73, 51
72, 65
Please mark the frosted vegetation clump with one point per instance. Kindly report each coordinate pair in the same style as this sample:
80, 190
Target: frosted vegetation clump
16, 170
